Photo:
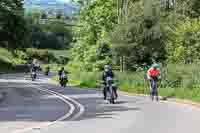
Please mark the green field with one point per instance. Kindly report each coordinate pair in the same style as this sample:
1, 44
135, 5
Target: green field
7, 59
58, 53
5, 55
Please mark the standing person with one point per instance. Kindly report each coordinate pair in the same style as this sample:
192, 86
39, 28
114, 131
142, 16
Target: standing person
107, 73
153, 75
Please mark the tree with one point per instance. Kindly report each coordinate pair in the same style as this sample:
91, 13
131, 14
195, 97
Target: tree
142, 39
196, 8
143, 33
59, 15
52, 34
58, 28
13, 26
184, 44
44, 16
98, 19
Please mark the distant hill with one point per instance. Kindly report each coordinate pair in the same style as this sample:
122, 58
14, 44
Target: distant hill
67, 8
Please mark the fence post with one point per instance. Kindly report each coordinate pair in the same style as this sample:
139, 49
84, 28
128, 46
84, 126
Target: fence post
121, 63
124, 63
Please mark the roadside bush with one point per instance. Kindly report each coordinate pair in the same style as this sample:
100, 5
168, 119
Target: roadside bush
53, 67
43, 55
178, 80
183, 45
85, 79
181, 75
62, 60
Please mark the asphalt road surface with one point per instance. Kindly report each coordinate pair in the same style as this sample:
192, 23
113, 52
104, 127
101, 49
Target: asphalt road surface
38, 107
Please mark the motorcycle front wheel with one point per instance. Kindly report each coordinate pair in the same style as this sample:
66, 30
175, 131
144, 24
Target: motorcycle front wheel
112, 98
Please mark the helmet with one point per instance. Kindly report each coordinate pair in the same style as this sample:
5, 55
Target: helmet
155, 66
34, 61
106, 67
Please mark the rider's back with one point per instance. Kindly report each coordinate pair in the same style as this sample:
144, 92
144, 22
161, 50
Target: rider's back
153, 72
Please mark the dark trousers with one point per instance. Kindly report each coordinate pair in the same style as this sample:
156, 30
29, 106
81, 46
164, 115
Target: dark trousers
105, 90
154, 90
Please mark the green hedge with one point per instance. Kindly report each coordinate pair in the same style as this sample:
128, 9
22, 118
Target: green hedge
43, 55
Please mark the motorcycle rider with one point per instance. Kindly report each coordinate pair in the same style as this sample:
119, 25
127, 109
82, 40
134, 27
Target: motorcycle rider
107, 73
62, 75
35, 65
34, 68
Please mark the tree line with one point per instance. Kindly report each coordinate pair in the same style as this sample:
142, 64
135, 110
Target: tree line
131, 33
23, 30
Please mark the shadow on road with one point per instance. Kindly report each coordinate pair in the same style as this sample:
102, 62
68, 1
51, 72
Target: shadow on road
24, 103
95, 106
31, 105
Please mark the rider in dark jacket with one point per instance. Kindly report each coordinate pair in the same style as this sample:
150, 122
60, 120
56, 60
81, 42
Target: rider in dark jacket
60, 72
33, 67
107, 73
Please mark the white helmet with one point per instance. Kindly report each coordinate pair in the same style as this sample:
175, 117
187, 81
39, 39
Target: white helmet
34, 61
107, 67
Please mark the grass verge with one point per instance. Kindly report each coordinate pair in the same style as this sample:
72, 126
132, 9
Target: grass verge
135, 83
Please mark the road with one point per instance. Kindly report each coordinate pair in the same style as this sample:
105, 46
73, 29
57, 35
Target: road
33, 107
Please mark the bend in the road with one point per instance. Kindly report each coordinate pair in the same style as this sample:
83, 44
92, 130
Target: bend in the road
71, 115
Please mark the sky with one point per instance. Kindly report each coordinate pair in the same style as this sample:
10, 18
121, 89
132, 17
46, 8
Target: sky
65, 1
44, 4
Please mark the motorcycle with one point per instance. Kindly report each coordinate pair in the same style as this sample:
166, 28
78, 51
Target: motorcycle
33, 75
63, 80
110, 89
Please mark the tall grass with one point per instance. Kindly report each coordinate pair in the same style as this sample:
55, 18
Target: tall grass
178, 80
85, 79
58, 53
53, 67
6, 60
5, 55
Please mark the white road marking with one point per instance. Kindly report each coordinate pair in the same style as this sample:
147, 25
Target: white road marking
60, 96
23, 116
81, 107
72, 109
